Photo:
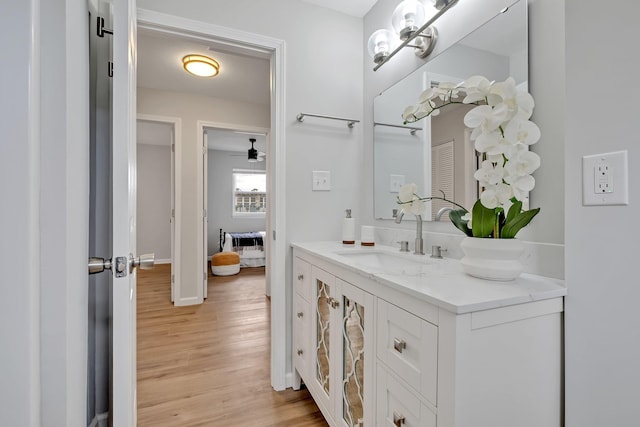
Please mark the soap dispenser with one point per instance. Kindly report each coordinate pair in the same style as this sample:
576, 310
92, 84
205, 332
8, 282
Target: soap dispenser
348, 229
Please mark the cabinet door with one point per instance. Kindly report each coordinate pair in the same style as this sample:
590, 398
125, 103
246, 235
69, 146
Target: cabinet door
322, 384
356, 358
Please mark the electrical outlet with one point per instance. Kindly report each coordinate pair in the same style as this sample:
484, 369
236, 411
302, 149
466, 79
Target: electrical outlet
321, 181
605, 179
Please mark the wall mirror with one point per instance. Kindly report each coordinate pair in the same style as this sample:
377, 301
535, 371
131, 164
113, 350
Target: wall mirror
436, 153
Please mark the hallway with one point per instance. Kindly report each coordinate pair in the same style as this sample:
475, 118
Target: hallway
208, 365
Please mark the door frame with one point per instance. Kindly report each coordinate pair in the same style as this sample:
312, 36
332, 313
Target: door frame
275, 48
176, 196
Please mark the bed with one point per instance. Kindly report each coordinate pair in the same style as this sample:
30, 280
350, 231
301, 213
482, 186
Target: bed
248, 245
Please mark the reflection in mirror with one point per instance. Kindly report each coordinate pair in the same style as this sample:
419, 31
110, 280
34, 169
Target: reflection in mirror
436, 152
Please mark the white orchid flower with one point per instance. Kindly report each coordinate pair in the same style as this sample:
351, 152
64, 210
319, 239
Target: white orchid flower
489, 174
451, 89
428, 95
407, 192
485, 118
496, 195
477, 89
409, 114
504, 92
525, 103
411, 202
524, 162
426, 109
522, 131
493, 144
416, 207
521, 185
467, 217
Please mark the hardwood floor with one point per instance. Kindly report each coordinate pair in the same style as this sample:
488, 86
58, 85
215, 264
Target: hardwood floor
208, 365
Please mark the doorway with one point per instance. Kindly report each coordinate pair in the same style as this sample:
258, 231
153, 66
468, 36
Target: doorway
273, 51
159, 150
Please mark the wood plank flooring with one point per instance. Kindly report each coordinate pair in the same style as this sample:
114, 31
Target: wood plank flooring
209, 365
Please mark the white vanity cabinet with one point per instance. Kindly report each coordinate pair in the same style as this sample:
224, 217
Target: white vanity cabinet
433, 353
341, 352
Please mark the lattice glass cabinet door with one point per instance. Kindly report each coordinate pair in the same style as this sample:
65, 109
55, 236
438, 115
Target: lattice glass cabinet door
353, 362
323, 345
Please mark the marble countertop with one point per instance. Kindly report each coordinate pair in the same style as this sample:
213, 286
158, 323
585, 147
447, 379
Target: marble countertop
440, 282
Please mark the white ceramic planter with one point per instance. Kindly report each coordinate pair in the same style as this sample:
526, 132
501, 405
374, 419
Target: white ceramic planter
492, 259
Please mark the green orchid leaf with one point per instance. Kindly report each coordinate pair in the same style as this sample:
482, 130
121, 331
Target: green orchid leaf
514, 210
461, 224
483, 220
519, 221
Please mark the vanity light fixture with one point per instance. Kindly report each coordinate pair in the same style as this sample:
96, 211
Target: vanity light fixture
200, 65
410, 23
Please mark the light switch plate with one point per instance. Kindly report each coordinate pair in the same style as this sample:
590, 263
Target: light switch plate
605, 179
321, 181
395, 182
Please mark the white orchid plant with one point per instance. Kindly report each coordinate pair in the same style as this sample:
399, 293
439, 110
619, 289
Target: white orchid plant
502, 133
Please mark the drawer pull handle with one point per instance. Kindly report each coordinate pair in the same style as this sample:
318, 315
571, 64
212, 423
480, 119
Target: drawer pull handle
398, 419
300, 351
300, 276
399, 345
300, 314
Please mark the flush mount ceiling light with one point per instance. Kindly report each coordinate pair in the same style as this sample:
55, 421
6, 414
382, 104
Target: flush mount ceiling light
200, 65
410, 22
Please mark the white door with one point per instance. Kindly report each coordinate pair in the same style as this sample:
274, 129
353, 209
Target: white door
118, 26
124, 211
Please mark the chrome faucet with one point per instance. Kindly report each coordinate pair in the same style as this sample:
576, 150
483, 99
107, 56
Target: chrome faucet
419, 247
441, 212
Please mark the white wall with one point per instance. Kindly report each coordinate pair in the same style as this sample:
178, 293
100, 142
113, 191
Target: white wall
191, 108
154, 201
220, 196
602, 333
43, 223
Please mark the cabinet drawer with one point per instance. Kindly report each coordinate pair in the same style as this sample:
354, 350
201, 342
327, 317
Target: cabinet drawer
301, 336
302, 278
398, 406
408, 345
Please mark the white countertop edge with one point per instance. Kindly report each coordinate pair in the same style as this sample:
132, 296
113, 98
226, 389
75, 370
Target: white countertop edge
460, 294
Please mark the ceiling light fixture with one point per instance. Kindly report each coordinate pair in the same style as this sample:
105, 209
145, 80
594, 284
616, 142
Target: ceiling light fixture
410, 23
200, 65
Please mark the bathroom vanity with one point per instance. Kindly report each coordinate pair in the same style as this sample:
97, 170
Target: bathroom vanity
384, 338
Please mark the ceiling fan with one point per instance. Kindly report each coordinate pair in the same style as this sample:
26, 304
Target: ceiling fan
254, 155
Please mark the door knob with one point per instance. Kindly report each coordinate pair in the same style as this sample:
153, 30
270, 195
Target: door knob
118, 265
144, 262
98, 265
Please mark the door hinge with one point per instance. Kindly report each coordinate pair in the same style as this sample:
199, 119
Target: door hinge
173, 213
204, 212
110, 69
173, 278
173, 148
274, 234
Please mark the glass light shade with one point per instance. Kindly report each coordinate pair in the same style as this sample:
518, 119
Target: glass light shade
201, 66
381, 44
407, 18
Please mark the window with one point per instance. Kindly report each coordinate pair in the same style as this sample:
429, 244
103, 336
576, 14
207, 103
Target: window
249, 193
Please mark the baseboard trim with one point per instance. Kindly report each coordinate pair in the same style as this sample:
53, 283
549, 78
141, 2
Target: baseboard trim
100, 420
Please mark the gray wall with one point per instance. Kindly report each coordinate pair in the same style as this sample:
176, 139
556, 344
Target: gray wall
154, 201
220, 199
602, 333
